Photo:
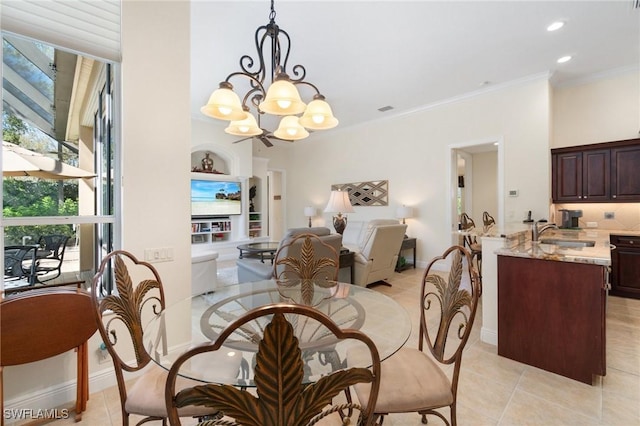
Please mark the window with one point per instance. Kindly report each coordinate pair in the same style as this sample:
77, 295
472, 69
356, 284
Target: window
59, 159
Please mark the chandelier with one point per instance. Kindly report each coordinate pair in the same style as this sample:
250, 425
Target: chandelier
281, 98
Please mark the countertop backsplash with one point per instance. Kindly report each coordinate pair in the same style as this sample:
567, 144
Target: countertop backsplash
626, 216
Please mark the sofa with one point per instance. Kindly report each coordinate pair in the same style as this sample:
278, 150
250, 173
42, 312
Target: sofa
254, 270
376, 249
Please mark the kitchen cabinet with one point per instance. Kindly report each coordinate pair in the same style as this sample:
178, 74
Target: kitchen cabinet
625, 173
625, 266
551, 315
607, 172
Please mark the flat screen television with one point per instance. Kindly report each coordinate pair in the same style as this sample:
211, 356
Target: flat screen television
210, 198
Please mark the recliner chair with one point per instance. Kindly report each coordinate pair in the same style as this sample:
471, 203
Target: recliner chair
377, 254
255, 270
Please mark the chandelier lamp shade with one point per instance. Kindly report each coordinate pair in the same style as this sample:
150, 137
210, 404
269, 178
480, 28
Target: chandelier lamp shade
339, 203
271, 91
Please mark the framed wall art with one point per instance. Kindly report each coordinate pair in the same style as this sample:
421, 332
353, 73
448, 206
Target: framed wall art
372, 193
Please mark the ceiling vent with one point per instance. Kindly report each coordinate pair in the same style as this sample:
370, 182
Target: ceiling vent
636, 4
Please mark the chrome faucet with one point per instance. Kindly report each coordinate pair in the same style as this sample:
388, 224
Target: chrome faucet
536, 232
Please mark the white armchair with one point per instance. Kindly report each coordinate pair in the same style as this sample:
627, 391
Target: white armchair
377, 252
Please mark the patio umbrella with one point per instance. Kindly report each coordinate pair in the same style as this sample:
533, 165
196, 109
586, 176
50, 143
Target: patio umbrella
17, 161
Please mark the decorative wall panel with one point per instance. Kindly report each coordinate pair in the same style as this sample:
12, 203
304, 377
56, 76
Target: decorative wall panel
374, 193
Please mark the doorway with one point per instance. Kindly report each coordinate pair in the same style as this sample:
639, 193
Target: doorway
476, 181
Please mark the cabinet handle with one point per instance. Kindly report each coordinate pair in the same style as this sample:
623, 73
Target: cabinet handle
612, 247
579, 196
614, 196
585, 197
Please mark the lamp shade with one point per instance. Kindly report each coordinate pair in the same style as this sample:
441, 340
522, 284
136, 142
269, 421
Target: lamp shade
224, 104
318, 116
339, 203
246, 127
309, 211
404, 212
282, 99
290, 129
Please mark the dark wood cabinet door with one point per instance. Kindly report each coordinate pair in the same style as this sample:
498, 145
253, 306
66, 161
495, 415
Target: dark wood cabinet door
567, 177
596, 172
625, 173
625, 266
551, 315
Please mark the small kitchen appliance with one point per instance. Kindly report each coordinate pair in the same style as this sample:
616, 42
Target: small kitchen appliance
570, 218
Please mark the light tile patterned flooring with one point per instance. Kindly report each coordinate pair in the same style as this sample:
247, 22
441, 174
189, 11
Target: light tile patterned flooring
495, 390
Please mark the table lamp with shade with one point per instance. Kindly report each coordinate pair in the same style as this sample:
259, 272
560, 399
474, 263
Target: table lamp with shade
403, 212
309, 212
339, 203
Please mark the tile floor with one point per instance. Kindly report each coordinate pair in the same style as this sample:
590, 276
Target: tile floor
495, 390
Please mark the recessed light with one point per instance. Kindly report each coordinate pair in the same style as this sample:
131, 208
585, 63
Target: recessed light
564, 59
555, 26
385, 108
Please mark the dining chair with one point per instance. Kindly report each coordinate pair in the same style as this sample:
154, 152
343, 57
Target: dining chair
53, 248
471, 241
487, 221
306, 257
120, 317
413, 380
281, 396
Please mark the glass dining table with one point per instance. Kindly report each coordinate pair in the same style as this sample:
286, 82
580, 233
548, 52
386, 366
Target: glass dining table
200, 319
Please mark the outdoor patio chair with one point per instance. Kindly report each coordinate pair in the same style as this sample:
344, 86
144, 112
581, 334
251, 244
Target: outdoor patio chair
50, 256
20, 264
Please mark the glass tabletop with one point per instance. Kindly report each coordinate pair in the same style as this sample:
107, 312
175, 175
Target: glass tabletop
200, 319
265, 246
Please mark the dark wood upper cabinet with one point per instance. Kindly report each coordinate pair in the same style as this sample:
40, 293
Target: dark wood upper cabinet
607, 172
625, 173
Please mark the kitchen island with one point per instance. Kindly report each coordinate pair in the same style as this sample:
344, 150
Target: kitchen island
552, 303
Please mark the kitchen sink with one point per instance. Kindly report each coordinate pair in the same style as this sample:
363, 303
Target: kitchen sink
568, 243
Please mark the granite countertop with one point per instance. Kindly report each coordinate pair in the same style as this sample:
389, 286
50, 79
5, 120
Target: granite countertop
599, 254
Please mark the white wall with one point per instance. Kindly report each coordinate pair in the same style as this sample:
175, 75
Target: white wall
411, 152
599, 111
485, 182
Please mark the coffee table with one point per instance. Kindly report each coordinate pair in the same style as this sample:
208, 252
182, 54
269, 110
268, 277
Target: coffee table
264, 250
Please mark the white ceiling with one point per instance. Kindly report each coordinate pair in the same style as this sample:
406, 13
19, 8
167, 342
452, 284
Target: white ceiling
364, 55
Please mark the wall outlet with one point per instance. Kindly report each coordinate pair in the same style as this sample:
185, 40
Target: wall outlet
592, 224
609, 215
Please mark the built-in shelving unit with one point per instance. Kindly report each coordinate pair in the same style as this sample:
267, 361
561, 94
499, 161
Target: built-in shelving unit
255, 224
205, 231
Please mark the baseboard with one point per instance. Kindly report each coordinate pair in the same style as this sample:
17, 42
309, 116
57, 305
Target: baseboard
61, 395
489, 336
